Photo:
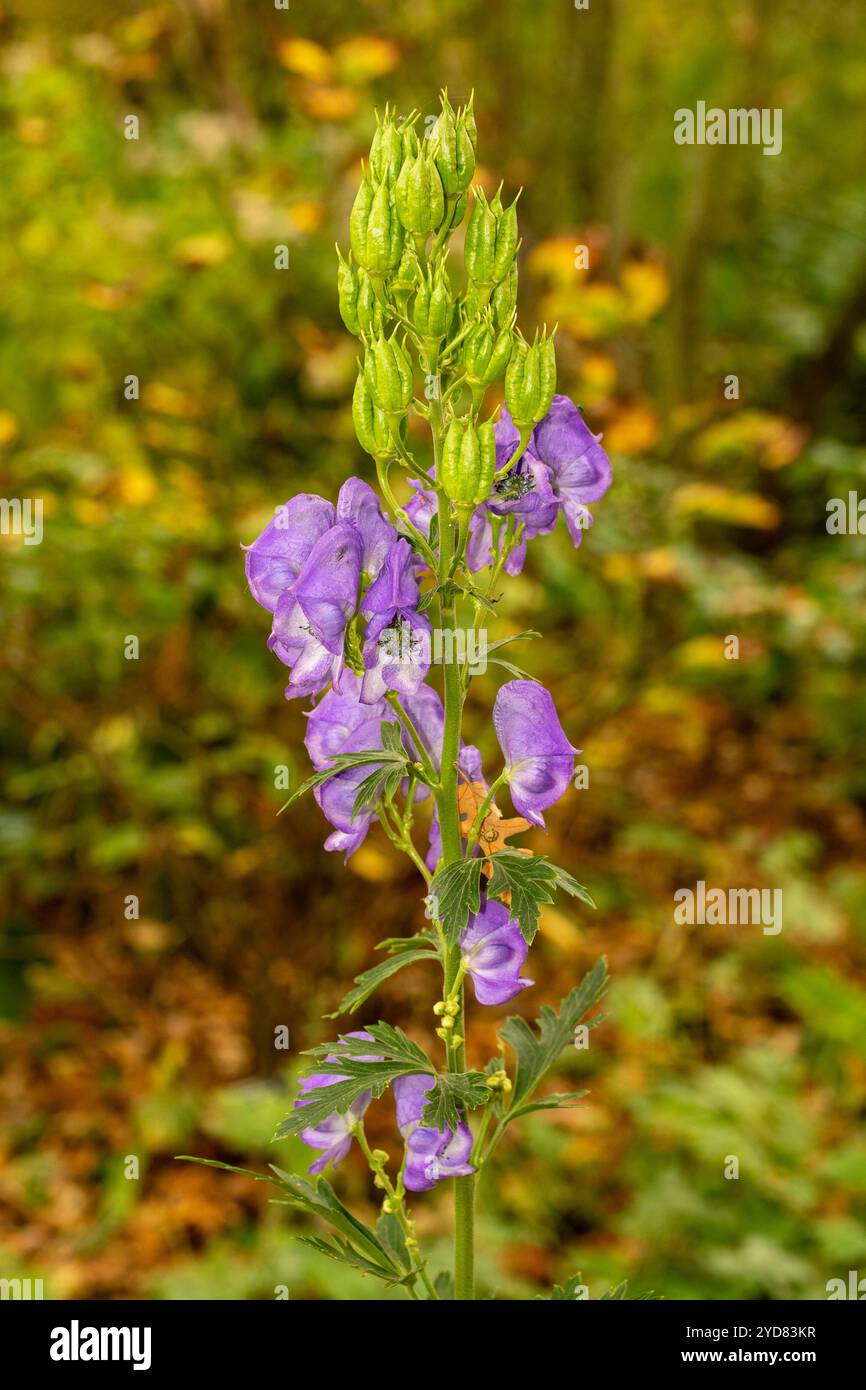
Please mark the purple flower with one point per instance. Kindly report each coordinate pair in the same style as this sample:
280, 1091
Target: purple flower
397, 641
311, 615
431, 1154
538, 756
358, 503
577, 465
334, 1134
525, 492
341, 724
493, 951
274, 559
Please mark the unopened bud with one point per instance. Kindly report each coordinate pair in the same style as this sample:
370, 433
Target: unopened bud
371, 423
375, 230
530, 381
388, 374
455, 139
468, 461
419, 195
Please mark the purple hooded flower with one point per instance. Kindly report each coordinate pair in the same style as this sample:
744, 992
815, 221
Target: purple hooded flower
358, 503
397, 642
493, 950
525, 491
431, 1154
341, 724
275, 558
334, 1134
311, 616
538, 756
577, 465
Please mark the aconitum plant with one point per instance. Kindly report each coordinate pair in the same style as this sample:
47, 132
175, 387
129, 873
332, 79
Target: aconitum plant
379, 607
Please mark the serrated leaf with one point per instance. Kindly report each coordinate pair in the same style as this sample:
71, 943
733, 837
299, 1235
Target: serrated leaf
393, 944
340, 1250
353, 1075
525, 636
571, 886
319, 1200
392, 1236
453, 1093
560, 1100
383, 782
529, 880
392, 737
455, 893
342, 763
370, 980
537, 1053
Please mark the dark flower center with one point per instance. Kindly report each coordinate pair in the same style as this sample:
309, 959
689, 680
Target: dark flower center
514, 485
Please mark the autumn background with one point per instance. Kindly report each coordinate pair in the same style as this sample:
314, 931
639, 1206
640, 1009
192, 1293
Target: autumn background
155, 777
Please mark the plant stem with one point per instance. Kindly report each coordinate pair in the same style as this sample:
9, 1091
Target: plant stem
446, 801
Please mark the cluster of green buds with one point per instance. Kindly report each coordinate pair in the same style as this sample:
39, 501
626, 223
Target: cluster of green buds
499, 1081
397, 296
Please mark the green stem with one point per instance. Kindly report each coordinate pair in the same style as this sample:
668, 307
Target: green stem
449, 822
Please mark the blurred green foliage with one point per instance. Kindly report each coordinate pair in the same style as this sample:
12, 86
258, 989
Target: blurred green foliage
154, 777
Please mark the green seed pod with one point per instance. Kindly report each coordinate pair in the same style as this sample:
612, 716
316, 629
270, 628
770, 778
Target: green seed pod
388, 374
484, 354
468, 462
371, 423
419, 195
370, 314
530, 381
375, 230
392, 145
506, 238
360, 310
455, 139
503, 301
491, 240
347, 293
480, 246
433, 309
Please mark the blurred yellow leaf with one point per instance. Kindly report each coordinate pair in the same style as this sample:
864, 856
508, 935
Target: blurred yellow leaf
168, 400
708, 650
330, 103
719, 503
305, 216
136, 486
597, 374
646, 285
590, 311
776, 440
373, 865
554, 258
8, 427
205, 249
365, 57
306, 58
634, 429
